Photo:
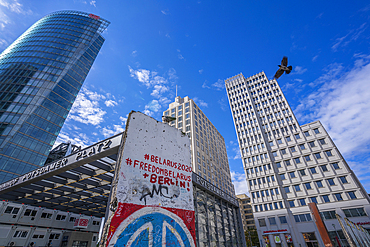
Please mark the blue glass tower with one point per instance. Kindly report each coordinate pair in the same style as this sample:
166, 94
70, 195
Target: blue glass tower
41, 74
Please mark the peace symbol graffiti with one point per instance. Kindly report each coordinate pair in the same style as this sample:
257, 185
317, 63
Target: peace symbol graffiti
152, 227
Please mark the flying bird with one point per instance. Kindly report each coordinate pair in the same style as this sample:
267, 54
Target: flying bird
283, 67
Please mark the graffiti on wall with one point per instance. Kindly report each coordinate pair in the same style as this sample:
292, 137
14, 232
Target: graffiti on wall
154, 187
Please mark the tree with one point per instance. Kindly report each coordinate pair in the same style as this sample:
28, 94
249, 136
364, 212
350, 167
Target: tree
252, 235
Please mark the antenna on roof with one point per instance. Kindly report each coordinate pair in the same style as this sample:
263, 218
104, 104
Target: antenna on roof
176, 90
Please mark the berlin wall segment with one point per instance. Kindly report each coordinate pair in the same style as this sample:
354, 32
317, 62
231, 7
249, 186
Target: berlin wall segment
151, 201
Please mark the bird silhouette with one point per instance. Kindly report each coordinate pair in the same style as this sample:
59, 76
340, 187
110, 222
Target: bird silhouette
283, 67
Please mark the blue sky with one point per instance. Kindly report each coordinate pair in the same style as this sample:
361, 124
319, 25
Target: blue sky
152, 46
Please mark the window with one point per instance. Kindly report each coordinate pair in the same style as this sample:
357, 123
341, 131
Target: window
271, 143
72, 219
291, 204
312, 144
262, 222
326, 198
292, 174
308, 186
306, 133
324, 168
95, 223
322, 141
302, 147
30, 212
302, 202
38, 236
319, 184
302, 172
318, 155
288, 139
328, 153
316, 131
296, 187
313, 170
283, 220
292, 149
282, 176
272, 221
46, 215
277, 191
352, 194
20, 234
267, 192
343, 179
54, 236
278, 164
297, 136
283, 151
302, 217
274, 154
338, 196
297, 160
11, 210
313, 199
286, 189
287, 162
60, 217
331, 181
354, 212
279, 141
328, 215
335, 166
307, 158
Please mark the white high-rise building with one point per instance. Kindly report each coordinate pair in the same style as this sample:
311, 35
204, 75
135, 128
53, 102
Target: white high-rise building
208, 150
288, 166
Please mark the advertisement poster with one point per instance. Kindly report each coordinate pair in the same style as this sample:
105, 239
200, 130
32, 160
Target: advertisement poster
267, 241
277, 239
153, 196
288, 238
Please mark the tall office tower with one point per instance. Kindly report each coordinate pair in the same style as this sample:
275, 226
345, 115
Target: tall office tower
208, 150
288, 166
40, 75
246, 212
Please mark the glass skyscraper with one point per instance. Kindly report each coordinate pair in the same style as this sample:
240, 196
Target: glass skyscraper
41, 74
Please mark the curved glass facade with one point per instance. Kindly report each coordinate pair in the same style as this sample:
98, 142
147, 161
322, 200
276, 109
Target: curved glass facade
41, 74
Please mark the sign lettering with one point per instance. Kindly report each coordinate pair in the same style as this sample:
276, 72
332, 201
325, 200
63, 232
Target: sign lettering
96, 17
90, 151
204, 183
